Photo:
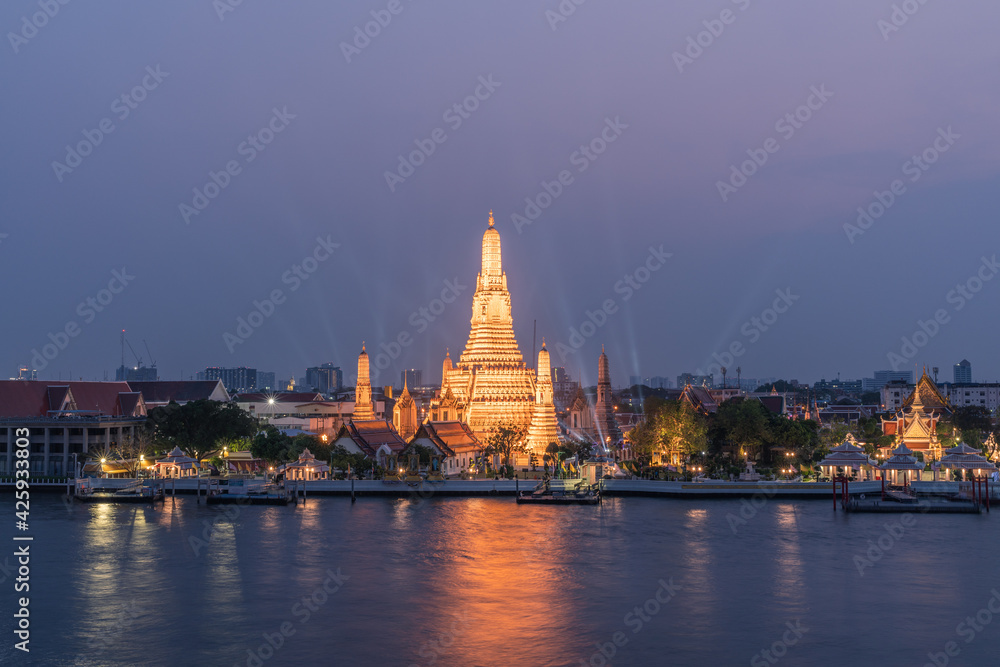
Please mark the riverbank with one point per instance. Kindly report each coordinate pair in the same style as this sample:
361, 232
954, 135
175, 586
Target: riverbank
473, 488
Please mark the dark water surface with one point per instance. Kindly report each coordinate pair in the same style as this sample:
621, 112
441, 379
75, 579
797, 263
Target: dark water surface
462, 581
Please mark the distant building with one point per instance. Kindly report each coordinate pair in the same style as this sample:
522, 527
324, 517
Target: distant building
155, 394
265, 381
685, 379
654, 382
236, 380
25, 373
559, 374
963, 372
136, 374
883, 378
411, 377
325, 378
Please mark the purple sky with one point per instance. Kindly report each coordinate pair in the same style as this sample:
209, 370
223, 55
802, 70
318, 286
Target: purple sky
323, 176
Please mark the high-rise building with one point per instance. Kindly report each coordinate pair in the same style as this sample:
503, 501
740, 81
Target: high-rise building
963, 372
240, 380
27, 373
265, 381
635, 379
559, 374
325, 378
694, 380
883, 378
136, 374
411, 377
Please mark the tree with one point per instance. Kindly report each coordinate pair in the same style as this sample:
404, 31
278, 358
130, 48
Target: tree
742, 426
270, 444
505, 440
200, 426
642, 441
132, 448
680, 428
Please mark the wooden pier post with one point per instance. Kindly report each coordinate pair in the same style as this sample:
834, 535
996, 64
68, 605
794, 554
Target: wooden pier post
353, 498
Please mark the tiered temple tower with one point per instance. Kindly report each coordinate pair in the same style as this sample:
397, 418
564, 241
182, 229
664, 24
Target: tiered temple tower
490, 382
404, 414
604, 411
363, 392
544, 427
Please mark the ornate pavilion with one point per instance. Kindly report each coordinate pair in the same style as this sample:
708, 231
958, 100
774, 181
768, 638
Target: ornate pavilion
916, 422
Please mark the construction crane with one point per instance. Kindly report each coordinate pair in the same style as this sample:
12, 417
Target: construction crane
152, 362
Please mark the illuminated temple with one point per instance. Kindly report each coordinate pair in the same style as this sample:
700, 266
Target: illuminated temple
491, 383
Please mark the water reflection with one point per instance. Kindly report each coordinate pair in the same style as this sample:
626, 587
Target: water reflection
451, 581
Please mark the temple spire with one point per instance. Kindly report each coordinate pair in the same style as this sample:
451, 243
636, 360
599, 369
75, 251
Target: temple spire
363, 390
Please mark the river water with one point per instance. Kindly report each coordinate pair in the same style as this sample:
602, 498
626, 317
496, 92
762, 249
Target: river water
471, 581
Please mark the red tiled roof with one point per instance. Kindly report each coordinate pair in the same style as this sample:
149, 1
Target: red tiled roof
37, 398
372, 434
450, 436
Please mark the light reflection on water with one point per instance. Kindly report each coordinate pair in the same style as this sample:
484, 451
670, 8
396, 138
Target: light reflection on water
487, 582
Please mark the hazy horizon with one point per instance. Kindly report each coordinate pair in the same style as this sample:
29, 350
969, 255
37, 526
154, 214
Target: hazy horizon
296, 120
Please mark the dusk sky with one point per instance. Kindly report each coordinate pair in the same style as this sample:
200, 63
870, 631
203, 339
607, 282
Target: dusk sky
337, 111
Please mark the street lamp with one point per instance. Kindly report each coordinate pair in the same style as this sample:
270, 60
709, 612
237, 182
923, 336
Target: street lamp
103, 474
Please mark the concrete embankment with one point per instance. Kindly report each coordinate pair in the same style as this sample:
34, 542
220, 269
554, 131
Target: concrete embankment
472, 488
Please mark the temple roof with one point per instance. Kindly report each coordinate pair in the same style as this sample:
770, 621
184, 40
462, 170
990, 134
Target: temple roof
450, 437
699, 398
926, 396
371, 434
40, 398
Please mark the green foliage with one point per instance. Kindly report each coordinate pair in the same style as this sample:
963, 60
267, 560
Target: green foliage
505, 440
200, 427
272, 445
